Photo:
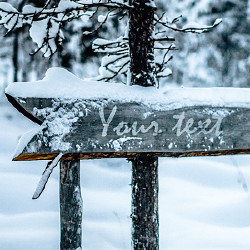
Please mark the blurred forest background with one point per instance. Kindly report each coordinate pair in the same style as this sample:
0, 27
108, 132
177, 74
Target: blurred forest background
218, 58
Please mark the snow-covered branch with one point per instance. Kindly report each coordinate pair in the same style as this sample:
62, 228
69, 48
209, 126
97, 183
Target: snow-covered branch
46, 26
189, 28
160, 36
46, 23
45, 176
117, 59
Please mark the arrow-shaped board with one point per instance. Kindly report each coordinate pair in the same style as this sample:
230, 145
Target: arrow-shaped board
92, 127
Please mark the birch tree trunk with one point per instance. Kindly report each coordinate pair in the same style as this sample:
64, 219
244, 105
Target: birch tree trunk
145, 218
70, 205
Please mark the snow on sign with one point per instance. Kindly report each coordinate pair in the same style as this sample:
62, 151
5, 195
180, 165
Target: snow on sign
87, 119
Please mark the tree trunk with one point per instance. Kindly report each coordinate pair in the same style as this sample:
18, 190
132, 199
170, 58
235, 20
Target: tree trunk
15, 56
141, 43
70, 205
145, 219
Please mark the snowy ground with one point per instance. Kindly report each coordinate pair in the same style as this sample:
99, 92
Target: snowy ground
204, 202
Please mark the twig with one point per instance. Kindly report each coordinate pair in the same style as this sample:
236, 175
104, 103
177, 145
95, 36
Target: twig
45, 176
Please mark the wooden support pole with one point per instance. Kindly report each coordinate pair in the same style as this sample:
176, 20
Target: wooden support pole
145, 219
70, 205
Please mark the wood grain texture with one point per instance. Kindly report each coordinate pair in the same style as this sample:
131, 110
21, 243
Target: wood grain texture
103, 128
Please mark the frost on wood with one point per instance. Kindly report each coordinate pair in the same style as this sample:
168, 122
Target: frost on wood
112, 127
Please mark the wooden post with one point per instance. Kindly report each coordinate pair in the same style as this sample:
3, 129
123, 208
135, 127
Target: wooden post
145, 218
70, 205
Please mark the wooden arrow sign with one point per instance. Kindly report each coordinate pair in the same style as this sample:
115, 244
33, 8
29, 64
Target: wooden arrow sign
95, 119
106, 128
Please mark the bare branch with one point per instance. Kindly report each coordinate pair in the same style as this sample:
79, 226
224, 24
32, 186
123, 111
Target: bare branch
176, 19
164, 39
13, 26
106, 78
100, 26
161, 69
45, 12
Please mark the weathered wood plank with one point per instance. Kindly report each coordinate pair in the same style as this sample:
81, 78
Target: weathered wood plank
98, 129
